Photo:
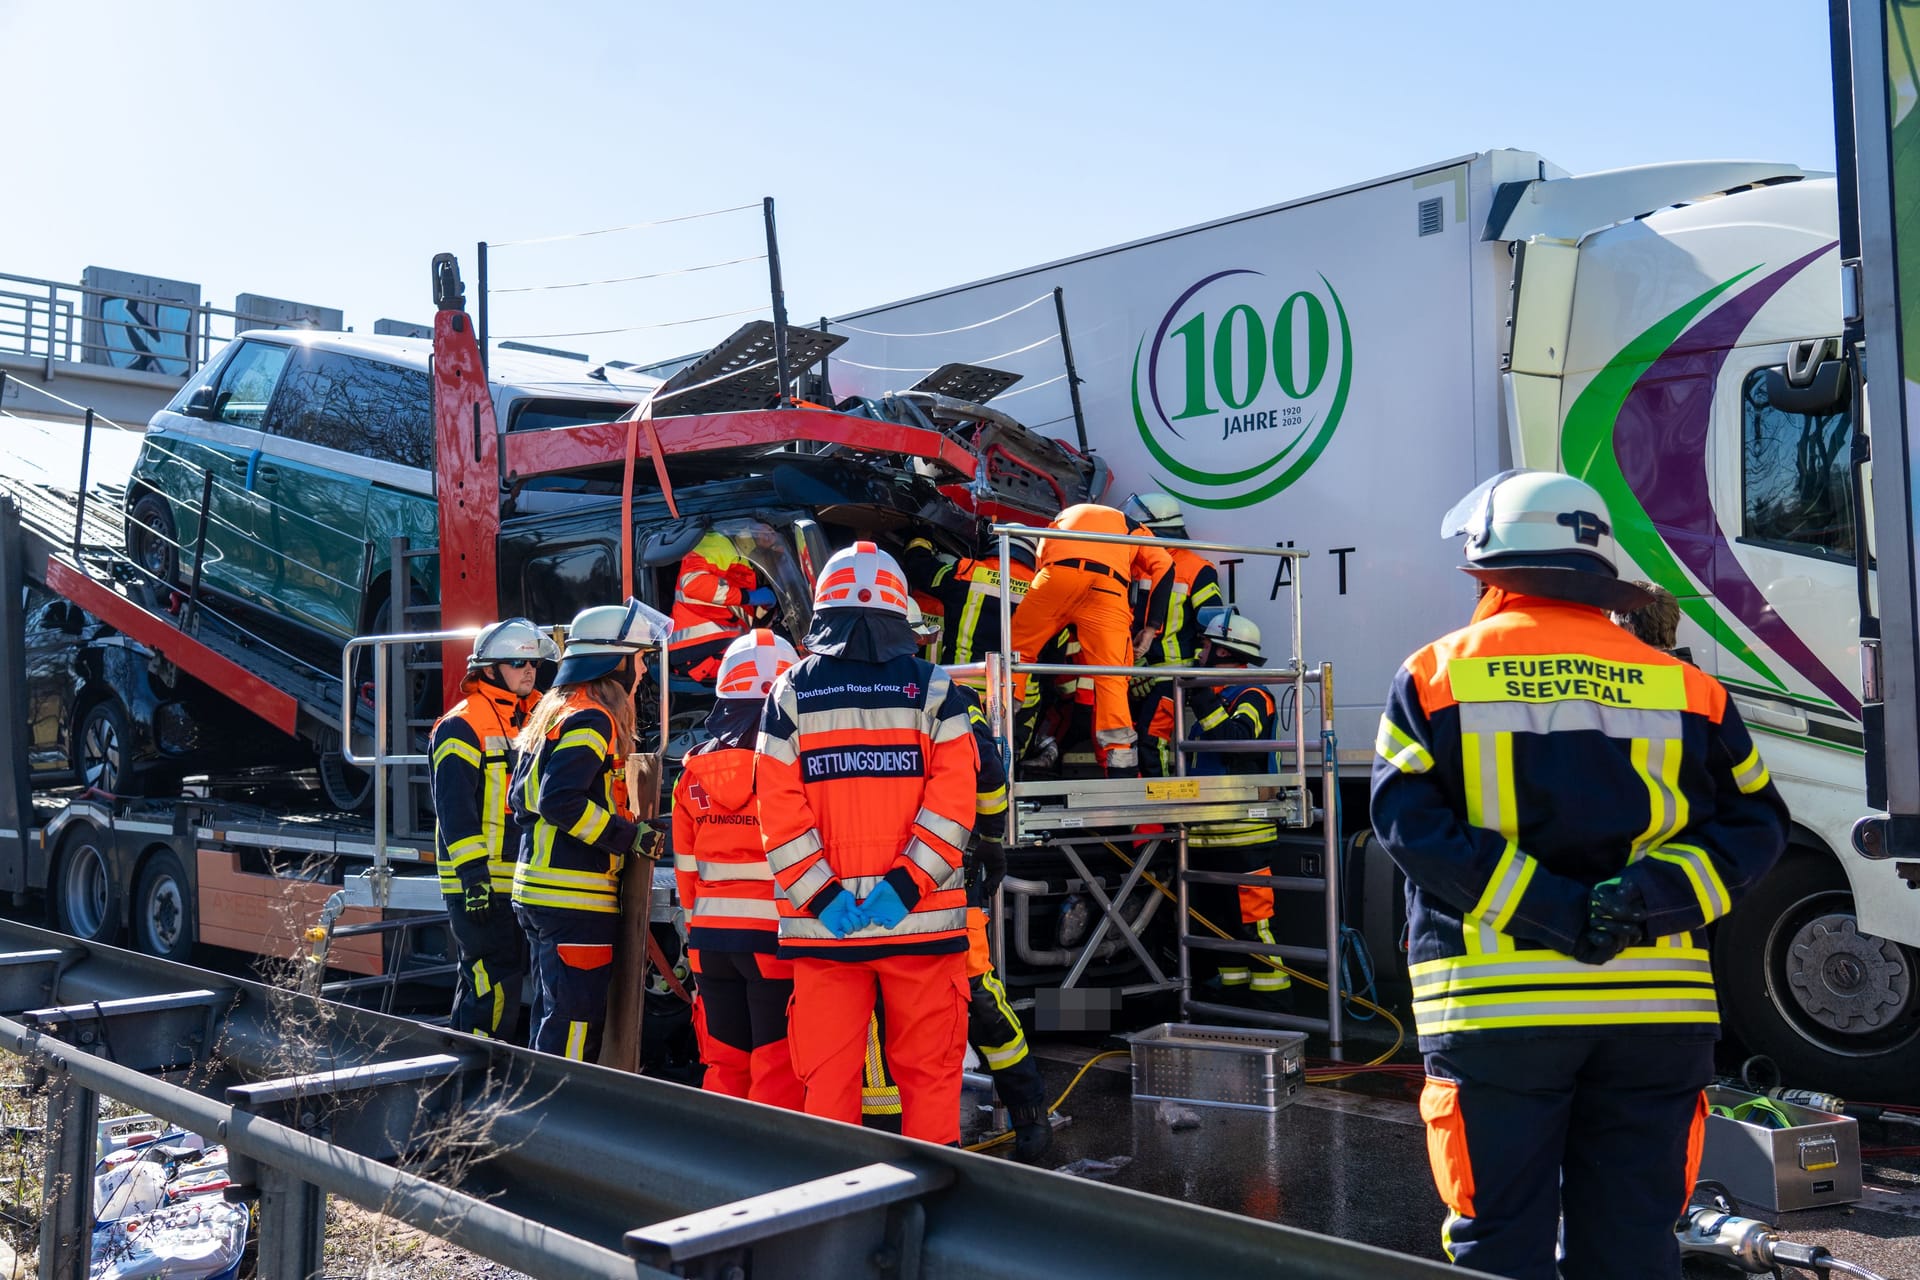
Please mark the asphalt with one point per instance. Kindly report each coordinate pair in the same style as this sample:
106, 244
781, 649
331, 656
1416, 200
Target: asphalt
1351, 1162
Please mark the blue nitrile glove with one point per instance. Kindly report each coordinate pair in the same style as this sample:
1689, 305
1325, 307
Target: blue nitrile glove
883, 906
761, 597
843, 915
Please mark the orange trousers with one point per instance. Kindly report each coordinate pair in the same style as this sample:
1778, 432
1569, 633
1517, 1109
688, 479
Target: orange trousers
925, 999
1095, 606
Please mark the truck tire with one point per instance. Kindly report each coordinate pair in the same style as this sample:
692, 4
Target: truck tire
151, 539
86, 898
164, 922
1835, 1009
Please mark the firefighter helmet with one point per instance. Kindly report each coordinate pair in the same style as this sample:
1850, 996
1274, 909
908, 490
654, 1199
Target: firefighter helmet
1234, 633
862, 576
515, 640
1156, 511
1545, 534
1023, 549
603, 637
751, 664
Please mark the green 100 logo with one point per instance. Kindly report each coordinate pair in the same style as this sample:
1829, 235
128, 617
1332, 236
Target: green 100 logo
1241, 352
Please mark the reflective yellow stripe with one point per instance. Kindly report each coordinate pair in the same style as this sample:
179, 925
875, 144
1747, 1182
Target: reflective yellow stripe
1750, 775
1505, 887
1657, 761
591, 822
455, 747
1214, 718
1562, 1008
1709, 890
1398, 749
1487, 769
990, 802
577, 1041
581, 737
1540, 968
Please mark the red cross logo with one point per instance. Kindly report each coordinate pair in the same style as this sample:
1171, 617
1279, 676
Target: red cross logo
911, 690
698, 794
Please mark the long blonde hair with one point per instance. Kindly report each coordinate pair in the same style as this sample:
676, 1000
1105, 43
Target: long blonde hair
610, 691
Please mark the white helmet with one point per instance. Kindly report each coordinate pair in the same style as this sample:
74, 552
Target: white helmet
861, 576
603, 637
515, 640
1024, 548
1545, 534
1234, 632
752, 663
924, 629
1159, 512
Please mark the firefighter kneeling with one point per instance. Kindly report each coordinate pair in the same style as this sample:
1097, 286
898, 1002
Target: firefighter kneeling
866, 777
1231, 713
577, 830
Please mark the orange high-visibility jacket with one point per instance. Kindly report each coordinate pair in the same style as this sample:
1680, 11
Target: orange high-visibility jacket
710, 600
472, 752
866, 772
719, 862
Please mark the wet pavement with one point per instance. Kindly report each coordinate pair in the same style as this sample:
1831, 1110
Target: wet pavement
1351, 1162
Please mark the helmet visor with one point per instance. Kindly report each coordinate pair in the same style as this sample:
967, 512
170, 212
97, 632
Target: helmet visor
1474, 513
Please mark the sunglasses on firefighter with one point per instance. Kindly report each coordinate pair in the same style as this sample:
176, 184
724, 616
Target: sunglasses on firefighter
520, 664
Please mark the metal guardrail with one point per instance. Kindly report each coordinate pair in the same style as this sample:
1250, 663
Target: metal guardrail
581, 1171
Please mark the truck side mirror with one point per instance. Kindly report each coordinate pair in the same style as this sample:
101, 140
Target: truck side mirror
1827, 392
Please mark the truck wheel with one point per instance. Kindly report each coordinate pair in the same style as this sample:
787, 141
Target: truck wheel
1836, 1009
151, 538
86, 899
163, 917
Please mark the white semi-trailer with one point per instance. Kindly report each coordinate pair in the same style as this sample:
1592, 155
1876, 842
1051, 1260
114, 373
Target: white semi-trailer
1334, 372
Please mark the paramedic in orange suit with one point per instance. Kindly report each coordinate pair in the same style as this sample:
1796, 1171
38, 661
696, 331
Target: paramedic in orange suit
720, 866
1085, 585
866, 777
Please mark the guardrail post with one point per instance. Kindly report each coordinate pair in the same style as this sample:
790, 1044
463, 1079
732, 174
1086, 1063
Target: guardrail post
66, 1229
293, 1225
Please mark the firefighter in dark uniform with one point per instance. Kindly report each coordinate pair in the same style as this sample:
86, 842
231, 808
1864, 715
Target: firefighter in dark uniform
471, 750
1228, 712
576, 827
1571, 807
968, 592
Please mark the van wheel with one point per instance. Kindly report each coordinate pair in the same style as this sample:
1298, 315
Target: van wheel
86, 899
163, 916
151, 539
1836, 1009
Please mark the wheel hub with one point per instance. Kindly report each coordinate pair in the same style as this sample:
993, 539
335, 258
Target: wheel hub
164, 914
1842, 977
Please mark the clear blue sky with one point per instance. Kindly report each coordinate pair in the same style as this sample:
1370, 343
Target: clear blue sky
324, 152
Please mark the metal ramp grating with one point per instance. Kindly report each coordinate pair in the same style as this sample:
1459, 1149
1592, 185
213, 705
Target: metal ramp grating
974, 382
741, 372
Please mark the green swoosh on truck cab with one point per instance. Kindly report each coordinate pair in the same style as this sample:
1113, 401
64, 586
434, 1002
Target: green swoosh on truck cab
1587, 451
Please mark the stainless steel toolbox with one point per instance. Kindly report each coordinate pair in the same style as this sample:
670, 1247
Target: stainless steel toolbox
1814, 1162
1241, 1067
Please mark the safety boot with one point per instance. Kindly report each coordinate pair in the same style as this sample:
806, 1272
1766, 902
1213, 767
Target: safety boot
1032, 1132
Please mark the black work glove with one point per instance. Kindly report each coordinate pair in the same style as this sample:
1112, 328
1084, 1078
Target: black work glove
1203, 700
992, 856
1616, 920
648, 842
476, 901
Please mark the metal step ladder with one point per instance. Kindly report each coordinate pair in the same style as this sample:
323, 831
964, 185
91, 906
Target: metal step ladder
1079, 818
